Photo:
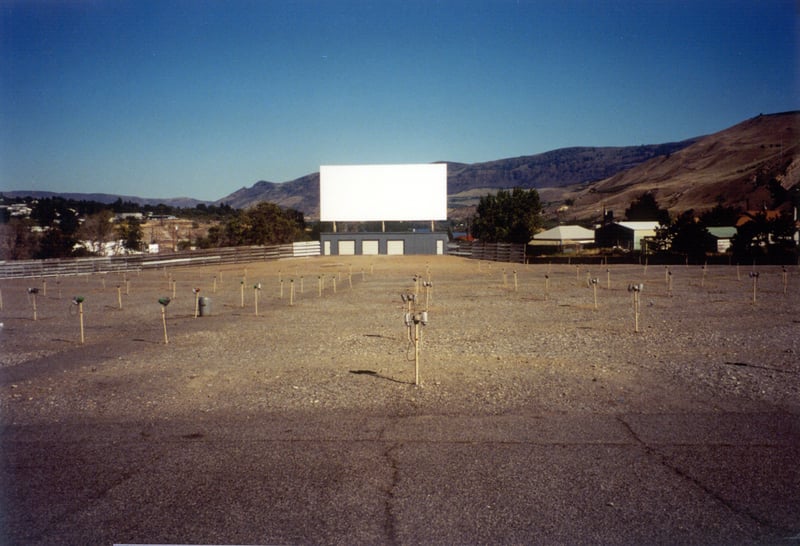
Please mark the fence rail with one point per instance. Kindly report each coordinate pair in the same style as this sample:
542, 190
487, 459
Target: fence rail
86, 266
495, 252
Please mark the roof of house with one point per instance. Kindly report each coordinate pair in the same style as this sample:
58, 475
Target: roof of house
563, 235
750, 215
649, 225
566, 233
725, 232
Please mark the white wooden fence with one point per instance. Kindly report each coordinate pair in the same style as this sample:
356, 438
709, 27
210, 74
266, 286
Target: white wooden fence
85, 266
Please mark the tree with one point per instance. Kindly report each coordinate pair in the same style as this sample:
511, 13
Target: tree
130, 231
264, 224
509, 217
96, 230
55, 244
686, 235
270, 225
17, 241
646, 208
764, 236
720, 215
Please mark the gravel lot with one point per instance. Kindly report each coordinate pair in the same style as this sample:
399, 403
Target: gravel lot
502, 340
494, 343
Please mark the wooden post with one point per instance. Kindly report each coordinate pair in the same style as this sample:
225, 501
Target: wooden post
119, 297
164, 321
416, 353
291, 292
754, 276
785, 285
242, 293
80, 314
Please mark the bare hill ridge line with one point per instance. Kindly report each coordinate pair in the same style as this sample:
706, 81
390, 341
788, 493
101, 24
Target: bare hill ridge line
738, 166
733, 167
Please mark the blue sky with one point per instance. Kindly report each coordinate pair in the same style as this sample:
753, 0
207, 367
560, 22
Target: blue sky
200, 98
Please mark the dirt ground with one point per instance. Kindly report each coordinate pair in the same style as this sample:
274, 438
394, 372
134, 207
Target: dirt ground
329, 337
499, 336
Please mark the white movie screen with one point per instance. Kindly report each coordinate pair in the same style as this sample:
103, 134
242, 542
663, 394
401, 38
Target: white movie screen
367, 193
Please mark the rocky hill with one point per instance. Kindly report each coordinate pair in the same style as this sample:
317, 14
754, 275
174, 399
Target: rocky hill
750, 165
753, 164
301, 194
466, 183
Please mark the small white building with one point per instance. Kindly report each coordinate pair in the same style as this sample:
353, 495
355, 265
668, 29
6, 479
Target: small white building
626, 235
721, 238
562, 237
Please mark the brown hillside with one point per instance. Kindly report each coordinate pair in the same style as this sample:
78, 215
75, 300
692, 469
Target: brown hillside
733, 167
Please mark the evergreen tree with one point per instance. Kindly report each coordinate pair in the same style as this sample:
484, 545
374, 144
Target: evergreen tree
646, 208
508, 217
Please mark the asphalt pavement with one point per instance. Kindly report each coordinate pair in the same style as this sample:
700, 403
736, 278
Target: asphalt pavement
353, 478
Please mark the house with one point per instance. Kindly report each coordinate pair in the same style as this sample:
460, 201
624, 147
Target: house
123, 216
18, 210
751, 215
626, 235
719, 238
563, 238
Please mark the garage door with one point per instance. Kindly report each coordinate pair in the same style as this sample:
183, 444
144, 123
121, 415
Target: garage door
347, 248
369, 247
395, 248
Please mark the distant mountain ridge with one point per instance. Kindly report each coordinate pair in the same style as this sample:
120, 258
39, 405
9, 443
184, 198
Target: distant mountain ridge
558, 168
752, 165
107, 198
741, 166
555, 169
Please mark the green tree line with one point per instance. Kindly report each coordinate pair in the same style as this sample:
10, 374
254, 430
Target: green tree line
59, 227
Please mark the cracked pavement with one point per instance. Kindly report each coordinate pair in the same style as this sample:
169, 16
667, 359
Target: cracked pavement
544, 422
